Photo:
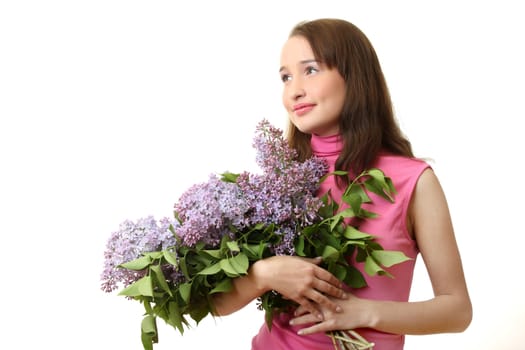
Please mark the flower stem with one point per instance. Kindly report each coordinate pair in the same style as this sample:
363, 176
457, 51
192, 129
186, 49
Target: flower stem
349, 340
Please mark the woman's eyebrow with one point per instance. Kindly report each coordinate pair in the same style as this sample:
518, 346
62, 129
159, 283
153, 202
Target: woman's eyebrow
303, 62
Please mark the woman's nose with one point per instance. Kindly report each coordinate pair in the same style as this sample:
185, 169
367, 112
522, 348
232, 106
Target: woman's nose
296, 89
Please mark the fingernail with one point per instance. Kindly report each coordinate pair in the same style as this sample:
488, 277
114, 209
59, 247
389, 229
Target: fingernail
300, 332
320, 316
291, 322
338, 309
344, 296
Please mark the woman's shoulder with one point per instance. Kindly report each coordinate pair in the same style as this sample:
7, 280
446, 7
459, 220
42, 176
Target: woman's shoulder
401, 165
403, 171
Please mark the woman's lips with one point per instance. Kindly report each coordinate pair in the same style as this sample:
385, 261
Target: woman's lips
303, 108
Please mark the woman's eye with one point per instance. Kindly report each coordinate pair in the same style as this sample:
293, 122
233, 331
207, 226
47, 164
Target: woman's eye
286, 77
311, 70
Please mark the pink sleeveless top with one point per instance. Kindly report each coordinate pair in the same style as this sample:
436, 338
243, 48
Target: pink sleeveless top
390, 231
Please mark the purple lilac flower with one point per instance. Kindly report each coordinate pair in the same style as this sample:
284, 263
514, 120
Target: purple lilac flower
285, 193
207, 210
128, 243
273, 151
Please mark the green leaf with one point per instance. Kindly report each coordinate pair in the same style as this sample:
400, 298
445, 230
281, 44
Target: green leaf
253, 251
159, 276
149, 332
141, 287
299, 246
330, 254
345, 213
327, 238
356, 190
137, 264
215, 253
329, 207
183, 267
377, 174
227, 267
339, 271
132, 290
355, 201
175, 316
373, 268
147, 341
268, 316
361, 255
154, 255
223, 286
185, 291
149, 325
379, 184
389, 258
354, 243
229, 177
199, 312
240, 263
336, 173
338, 218
355, 278
233, 246
211, 270
170, 258
366, 214
146, 288
391, 188
353, 233
373, 187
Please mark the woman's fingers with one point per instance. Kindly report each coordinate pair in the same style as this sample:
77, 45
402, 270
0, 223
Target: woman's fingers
300, 310
311, 309
326, 283
318, 327
322, 286
331, 287
305, 319
323, 301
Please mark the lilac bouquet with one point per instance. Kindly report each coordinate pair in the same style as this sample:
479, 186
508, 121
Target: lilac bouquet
220, 227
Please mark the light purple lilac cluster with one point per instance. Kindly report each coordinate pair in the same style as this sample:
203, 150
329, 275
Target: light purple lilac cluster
207, 210
283, 195
127, 243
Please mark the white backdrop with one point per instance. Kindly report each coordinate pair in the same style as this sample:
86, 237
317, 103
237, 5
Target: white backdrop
111, 109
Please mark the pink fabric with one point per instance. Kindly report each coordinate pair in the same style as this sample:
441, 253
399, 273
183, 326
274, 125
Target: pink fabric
390, 231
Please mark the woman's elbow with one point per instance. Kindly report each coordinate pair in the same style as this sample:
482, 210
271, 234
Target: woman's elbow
220, 308
463, 318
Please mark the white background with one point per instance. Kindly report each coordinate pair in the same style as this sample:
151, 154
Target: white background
111, 109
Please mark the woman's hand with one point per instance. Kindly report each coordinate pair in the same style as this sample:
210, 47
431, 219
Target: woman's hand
301, 280
352, 315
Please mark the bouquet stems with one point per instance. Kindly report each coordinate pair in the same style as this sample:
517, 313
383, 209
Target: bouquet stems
349, 340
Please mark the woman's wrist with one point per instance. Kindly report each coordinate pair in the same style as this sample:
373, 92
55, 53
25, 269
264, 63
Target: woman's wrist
258, 273
372, 314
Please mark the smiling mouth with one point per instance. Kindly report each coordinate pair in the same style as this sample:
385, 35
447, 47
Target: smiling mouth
303, 109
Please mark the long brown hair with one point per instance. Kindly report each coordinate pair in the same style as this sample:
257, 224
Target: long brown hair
367, 124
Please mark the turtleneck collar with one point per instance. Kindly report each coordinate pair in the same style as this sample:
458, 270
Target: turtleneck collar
326, 146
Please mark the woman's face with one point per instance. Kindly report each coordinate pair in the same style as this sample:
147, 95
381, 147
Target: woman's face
313, 95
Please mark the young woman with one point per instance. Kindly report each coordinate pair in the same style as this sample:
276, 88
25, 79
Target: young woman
340, 109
